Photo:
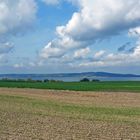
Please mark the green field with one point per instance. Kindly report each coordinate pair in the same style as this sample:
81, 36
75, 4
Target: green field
77, 86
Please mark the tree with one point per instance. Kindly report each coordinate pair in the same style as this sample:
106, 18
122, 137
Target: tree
46, 80
85, 80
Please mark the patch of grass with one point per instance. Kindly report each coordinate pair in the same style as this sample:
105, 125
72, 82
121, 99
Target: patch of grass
133, 86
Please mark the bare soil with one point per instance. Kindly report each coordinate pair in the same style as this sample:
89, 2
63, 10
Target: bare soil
16, 126
114, 99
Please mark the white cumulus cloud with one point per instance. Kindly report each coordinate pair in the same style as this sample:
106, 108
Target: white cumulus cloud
16, 15
99, 54
95, 20
81, 53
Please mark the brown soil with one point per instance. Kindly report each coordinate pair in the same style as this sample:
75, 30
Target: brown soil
55, 128
113, 99
15, 126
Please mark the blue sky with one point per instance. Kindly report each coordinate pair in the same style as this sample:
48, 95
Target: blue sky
53, 36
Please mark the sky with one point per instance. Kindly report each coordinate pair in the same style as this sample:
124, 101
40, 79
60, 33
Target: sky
61, 36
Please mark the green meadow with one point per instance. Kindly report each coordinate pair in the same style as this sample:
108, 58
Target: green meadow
133, 86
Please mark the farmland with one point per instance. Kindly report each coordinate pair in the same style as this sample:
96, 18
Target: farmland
132, 86
61, 115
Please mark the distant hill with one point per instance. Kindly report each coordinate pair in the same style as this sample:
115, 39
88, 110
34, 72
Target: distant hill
83, 74
106, 74
96, 74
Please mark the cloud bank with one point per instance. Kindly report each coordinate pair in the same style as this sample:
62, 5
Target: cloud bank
95, 20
